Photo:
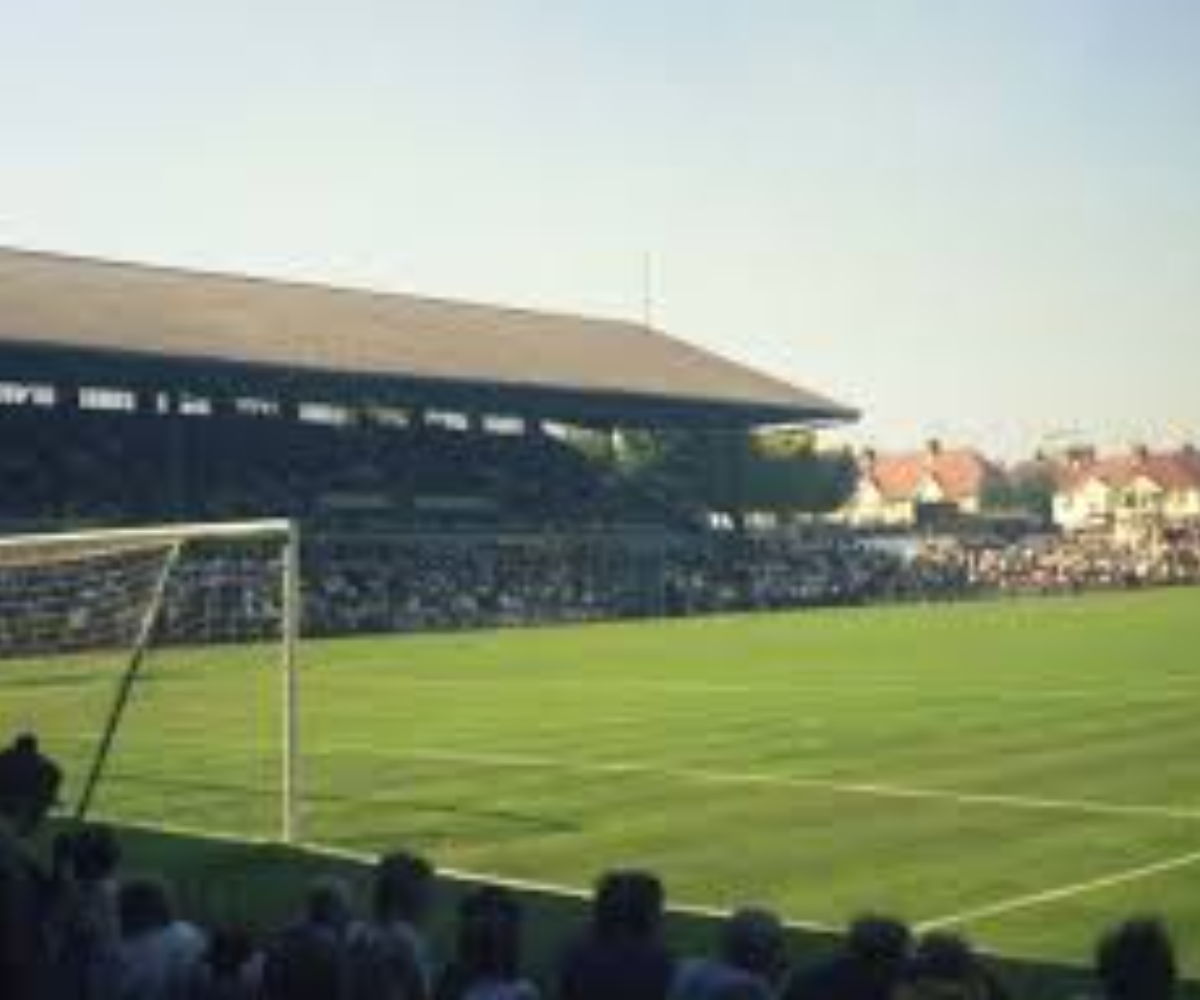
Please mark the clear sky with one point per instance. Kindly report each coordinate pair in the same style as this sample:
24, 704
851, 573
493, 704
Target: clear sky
978, 219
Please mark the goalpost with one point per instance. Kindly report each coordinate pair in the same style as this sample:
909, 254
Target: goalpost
68, 597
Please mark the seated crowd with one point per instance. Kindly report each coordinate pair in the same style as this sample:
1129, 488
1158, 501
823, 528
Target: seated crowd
117, 468
82, 931
1072, 564
413, 583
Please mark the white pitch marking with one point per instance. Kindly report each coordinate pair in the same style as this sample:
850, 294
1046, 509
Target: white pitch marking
607, 685
1049, 896
1087, 807
458, 874
1169, 695
1030, 901
879, 790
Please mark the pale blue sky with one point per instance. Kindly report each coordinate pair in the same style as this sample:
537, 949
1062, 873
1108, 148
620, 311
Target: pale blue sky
972, 219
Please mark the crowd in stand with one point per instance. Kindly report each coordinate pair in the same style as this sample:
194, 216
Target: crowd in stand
444, 582
816, 569
1072, 564
80, 931
439, 584
831, 568
61, 467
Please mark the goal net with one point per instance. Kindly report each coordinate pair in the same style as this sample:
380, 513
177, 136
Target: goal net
157, 665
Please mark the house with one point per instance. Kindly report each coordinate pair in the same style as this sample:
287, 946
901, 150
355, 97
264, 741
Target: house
1136, 490
903, 490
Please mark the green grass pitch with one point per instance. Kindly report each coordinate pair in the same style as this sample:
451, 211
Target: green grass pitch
1025, 771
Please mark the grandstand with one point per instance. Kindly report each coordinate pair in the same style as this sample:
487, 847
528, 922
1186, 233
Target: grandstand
211, 373
420, 442
134, 394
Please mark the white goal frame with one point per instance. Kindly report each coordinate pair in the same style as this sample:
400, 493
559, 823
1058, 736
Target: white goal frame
174, 538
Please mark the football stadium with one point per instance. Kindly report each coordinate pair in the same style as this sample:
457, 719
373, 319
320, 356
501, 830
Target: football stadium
294, 576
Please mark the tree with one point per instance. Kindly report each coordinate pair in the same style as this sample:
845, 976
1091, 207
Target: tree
734, 472
694, 468
1026, 490
790, 475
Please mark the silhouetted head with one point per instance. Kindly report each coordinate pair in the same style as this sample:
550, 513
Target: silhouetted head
945, 965
753, 940
628, 904
1136, 961
91, 852
737, 989
29, 784
489, 934
490, 901
228, 952
329, 903
145, 905
880, 943
940, 955
403, 888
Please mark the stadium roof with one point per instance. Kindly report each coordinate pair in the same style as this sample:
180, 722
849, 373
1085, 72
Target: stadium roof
138, 321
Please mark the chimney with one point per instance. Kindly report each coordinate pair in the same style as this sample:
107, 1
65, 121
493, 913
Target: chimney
1081, 456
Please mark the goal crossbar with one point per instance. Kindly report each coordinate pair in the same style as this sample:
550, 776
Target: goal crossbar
162, 534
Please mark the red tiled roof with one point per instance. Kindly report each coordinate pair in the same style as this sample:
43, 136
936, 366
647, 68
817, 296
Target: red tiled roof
960, 473
1170, 471
1190, 457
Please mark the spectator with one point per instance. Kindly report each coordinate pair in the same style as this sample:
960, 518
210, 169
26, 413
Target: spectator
88, 925
1136, 961
388, 958
870, 966
487, 965
738, 989
230, 970
159, 953
945, 967
28, 786
623, 954
307, 960
750, 964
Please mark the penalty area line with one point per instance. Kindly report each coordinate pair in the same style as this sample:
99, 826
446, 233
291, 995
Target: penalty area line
1048, 897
